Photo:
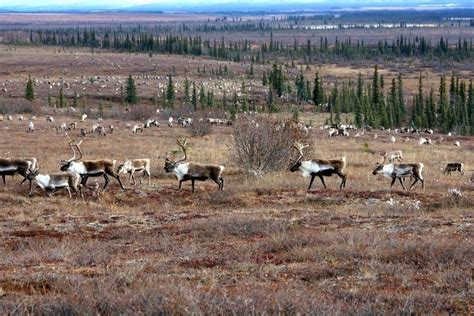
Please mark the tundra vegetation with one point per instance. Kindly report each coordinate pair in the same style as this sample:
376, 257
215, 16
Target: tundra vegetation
247, 97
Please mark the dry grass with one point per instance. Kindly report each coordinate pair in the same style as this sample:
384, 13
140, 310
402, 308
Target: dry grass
263, 245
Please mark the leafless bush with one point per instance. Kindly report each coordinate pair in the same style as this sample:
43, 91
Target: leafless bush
261, 145
200, 127
11, 106
138, 113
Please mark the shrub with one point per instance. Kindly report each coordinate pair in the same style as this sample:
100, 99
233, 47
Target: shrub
139, 113
12, 106
262, 145
200, 127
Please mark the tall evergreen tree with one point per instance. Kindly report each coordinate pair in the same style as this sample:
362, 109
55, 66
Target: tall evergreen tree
186, 91
29, 90
393, 104
131, 91
470, 106
443, 106
170, 95
202, 97
194, 98
61, 101
318, 92
75, 100
401, 99
430, 110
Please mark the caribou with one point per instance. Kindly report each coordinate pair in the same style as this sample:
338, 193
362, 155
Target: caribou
454, 166
399, 171
137, 128
50, 183
90, 168
11, 167
135, 165
317, 167
393, 155
186, 171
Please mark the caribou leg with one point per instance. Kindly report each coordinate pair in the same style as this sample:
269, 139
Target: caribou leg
343, 181
322, 181
218, 181
222, 183
106, 182
403, 185
119, 180
311, 182
393, 181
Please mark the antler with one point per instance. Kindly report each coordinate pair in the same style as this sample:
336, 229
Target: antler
384, 155
299, 147
184, 145
79, 149
71, 144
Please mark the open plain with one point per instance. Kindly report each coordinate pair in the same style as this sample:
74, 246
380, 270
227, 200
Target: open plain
262, 246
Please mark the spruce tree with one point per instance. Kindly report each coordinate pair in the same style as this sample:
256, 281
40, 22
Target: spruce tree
401, 99
74, 100
443, 123
131, 91
430, 110
470, 106
187, 97
170, 96
393, 104
318, 92
29, 90
194, 99
61, 102
202, 97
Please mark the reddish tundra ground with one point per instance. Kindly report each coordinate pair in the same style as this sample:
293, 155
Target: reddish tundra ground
262, 246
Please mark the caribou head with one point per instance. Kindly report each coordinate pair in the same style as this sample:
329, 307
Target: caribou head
296, 163
170, 163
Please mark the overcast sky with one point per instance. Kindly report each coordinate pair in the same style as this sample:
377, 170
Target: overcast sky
76, 2
130, 3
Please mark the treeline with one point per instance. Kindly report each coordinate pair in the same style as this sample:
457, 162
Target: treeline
242, 50
380, 105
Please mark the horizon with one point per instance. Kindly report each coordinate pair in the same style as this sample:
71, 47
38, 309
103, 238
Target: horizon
216, 6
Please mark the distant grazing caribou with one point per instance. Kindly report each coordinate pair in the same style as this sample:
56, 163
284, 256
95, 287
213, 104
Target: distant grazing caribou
454, 166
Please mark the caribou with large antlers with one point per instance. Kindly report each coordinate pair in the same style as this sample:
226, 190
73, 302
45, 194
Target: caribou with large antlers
186, 171
90, 168
317, 167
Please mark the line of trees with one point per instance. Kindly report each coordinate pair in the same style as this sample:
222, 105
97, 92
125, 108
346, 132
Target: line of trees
242, 50
377, 105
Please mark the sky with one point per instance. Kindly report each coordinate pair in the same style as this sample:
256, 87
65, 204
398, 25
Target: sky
112, 4
37, 3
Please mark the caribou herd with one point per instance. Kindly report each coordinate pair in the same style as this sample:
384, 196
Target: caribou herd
75, 172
